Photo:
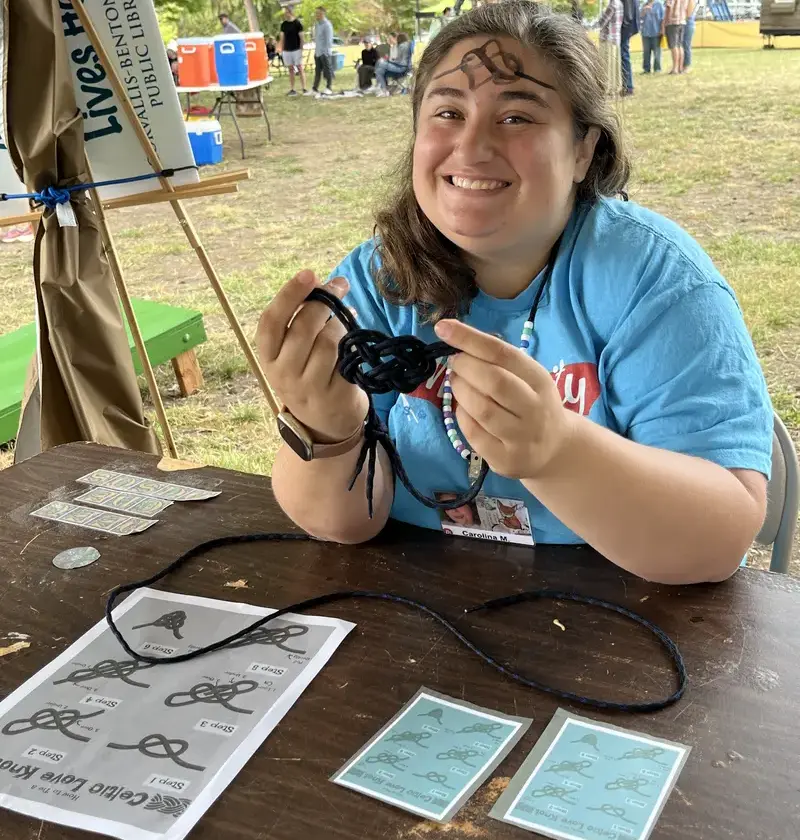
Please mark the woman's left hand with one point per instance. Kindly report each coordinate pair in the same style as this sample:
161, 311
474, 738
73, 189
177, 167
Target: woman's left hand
509, 409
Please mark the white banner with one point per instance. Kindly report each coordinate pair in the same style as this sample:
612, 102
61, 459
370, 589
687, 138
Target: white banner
128, 30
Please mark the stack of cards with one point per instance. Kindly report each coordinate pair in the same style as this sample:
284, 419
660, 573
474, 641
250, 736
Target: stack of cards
130, 496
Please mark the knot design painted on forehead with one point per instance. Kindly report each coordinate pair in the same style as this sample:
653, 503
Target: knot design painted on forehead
503, 67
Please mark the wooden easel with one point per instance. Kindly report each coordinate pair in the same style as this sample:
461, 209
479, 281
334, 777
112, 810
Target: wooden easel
215, 185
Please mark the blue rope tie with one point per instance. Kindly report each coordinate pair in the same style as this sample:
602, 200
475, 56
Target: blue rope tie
51, 197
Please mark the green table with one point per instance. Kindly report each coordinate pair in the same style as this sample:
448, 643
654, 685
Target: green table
170, 334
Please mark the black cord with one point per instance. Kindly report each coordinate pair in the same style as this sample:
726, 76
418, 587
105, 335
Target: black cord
379, 364
497, 603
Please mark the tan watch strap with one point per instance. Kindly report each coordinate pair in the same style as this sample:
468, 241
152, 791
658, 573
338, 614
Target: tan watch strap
331, 450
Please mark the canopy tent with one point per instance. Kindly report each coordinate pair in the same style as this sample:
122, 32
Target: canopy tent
82, 384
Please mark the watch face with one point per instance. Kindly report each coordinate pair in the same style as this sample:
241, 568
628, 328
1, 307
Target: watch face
295, 436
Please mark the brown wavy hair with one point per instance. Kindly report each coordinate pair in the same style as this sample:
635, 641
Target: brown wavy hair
420, 266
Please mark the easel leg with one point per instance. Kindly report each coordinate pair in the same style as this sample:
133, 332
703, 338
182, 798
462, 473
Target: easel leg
264, 112
127, 308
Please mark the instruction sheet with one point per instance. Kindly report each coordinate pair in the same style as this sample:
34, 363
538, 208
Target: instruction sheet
102, 742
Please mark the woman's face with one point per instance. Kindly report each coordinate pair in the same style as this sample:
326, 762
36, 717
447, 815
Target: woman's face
495, 156
461, 515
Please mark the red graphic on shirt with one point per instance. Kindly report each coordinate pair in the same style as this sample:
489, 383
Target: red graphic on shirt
433, 388
577, 383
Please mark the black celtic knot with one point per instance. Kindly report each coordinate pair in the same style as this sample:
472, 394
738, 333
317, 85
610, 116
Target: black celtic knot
50, 720
379, 364
208, 693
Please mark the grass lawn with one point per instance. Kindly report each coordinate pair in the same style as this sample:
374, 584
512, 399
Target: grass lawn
718, 151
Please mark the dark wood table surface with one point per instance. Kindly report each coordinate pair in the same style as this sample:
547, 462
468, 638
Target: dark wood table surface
740, 639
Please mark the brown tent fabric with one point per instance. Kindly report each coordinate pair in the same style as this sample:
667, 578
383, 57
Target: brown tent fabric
84, 386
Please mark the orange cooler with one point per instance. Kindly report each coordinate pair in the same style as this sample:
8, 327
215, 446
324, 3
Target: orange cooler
257, 63
196, 62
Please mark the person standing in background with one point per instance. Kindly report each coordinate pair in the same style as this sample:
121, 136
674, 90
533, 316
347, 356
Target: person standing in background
323, 52
228, 28
438, 23
652, 20
290, 45
688, 34
610, 25
674, 26
630, 26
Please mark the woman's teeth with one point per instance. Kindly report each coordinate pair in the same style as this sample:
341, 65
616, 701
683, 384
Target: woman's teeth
470, 184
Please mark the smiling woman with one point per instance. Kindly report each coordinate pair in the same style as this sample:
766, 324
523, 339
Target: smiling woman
604, 371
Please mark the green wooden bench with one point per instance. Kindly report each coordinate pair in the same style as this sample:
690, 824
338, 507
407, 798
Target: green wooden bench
170, 334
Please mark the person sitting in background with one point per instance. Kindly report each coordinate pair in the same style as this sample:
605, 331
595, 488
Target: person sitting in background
272, 49
392, 41
366, 66
394, 68
652, 21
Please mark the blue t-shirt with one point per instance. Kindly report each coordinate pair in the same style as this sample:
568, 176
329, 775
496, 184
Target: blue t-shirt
641, 333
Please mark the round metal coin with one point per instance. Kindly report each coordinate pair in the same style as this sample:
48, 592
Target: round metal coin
75, 558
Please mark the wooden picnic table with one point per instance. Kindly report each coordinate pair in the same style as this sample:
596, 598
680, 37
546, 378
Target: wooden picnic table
740, 640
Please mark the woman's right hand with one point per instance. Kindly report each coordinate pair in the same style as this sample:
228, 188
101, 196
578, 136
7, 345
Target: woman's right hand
298, 351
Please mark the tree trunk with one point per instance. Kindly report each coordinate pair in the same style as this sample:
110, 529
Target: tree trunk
252, 16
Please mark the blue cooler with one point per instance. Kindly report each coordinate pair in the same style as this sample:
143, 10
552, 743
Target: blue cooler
230, 57
205, 137
338, 60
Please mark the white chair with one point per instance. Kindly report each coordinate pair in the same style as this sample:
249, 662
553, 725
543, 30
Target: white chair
783, 499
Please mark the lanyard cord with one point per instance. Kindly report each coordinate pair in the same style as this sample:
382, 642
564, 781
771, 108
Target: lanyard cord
506, 669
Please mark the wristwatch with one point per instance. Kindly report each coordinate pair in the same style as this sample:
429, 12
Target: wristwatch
299, 440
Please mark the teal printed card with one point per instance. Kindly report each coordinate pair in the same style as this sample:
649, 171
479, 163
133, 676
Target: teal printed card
432, 755
586, 780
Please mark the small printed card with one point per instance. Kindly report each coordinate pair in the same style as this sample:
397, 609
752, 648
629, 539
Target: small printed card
94, 519
488, 518
432, 755
146, 486
591, 780
124, 502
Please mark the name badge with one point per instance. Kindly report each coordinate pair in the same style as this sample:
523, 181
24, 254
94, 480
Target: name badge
488, 518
